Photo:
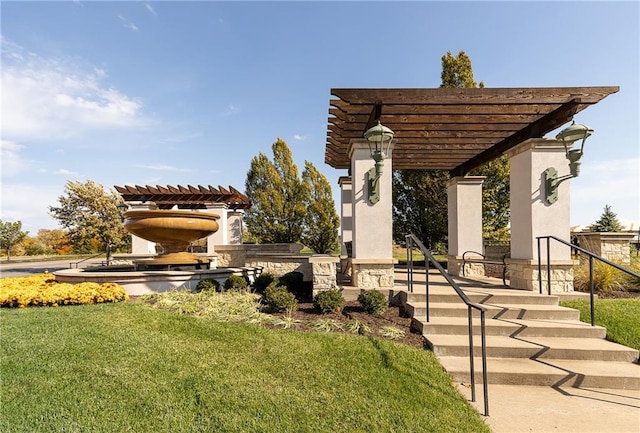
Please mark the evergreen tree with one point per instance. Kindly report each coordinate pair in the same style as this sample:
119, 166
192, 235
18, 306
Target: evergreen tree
608, 222
11, 234
89, 213
277, 195
321, 220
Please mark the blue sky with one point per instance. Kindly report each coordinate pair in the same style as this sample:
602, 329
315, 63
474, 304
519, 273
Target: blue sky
167, 93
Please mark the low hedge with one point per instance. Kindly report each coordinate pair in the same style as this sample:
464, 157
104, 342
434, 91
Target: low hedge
44, 290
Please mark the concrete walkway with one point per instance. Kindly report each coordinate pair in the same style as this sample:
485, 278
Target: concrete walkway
515, 408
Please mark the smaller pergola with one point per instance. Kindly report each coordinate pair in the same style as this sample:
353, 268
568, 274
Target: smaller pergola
229, 204
456, 130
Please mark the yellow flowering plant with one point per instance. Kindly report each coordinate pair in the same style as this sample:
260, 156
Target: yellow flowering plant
44, 290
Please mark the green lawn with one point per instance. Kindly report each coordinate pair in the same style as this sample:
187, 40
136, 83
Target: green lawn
130, 368
621, 317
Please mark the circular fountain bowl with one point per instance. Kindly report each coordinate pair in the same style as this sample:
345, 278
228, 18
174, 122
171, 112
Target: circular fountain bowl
174, 230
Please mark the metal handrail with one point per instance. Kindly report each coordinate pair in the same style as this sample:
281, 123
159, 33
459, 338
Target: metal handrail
591, 257
411, 241
83, 260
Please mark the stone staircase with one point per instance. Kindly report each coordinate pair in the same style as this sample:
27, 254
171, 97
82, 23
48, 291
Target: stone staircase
531, 340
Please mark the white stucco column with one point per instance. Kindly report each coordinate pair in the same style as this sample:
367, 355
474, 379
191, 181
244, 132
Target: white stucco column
346, 208
372, 262
138, 245
220, 237
532, 216
464, 210
234, 226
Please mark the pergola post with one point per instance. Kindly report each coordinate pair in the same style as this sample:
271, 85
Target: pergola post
346, 208
141, 246
372, 258
234, 224
220, 237
532, 216
464, 203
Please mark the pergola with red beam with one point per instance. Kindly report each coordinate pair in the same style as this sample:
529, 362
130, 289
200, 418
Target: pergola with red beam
189, 197
451, 128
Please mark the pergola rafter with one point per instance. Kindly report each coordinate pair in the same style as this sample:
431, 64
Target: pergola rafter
452, 129
189, 197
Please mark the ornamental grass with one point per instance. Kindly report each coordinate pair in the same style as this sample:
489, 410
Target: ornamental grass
43, 290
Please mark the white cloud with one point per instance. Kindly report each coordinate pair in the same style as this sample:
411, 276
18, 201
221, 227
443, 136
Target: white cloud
30, 204
299, 137
231, 110
56, 98
149, 8
12, 162
128, 24
67, 173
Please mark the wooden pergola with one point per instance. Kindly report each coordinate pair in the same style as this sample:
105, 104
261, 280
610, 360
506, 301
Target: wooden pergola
189, 197
450, 128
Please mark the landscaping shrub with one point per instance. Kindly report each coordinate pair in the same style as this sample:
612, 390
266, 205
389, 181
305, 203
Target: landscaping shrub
293, 281
262, 282
236, 282
606, 279
279, 299
207, 285
329, 301
373, 302
44, 290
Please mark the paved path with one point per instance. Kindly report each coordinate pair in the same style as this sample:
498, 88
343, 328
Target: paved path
16, 268
543, 409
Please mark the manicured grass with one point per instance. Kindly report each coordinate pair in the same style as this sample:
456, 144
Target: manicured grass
131, 368
621, 317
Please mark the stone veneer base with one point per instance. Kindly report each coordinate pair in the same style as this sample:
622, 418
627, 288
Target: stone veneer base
523, 274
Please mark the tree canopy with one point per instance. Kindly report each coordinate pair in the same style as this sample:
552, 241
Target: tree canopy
11, 234
608, 222
89, 212
286, 208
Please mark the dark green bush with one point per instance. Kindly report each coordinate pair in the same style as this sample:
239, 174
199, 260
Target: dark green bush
207, 285
373, 302
279, 299
294, 281
262, 282
328, 301
236, 282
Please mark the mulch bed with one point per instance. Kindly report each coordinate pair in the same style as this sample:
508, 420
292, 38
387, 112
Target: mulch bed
393, 316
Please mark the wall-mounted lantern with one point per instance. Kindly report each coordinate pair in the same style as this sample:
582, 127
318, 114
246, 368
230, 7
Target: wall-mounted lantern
568, 136
379, 138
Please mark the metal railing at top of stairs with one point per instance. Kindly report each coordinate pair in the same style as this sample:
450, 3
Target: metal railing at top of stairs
591, 257
412, 241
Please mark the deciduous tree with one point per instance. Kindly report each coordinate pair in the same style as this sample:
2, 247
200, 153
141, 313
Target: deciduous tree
11, 234
89, 212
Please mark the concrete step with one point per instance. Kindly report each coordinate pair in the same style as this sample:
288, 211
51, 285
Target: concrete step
547, 372
594, 349
510, 327
505, 311
508, 296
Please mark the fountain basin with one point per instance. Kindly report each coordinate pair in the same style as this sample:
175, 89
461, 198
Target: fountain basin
174, 230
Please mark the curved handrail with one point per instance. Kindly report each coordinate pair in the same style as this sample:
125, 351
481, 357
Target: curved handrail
411, 241
591, 257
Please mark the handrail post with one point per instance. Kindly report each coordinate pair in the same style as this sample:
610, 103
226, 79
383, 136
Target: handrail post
471, 362
591, 290
485, 380
539, 266
548, 266
426, 284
